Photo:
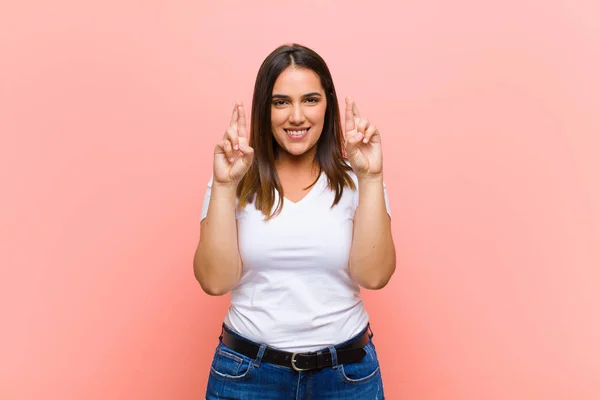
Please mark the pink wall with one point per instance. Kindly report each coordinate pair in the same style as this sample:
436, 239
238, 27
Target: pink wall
491, 127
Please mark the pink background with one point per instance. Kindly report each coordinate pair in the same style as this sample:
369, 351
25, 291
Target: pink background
489, 113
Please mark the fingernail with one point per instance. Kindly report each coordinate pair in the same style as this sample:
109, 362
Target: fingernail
236, 147
359, 135
365, 140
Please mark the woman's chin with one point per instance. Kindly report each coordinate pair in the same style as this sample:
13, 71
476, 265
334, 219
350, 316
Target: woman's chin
297, 150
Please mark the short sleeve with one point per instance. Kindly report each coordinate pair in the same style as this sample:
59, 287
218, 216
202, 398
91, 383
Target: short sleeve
387, 201
206, 200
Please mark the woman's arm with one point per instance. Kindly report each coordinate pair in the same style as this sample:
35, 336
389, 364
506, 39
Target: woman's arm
372, 256
217, 264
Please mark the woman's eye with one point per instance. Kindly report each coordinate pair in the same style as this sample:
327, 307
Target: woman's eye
278, 103
312, 100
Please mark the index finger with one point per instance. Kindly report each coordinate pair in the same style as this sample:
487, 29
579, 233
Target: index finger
350, 126
242, 131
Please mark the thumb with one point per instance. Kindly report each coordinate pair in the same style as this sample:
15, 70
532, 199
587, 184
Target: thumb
247, 151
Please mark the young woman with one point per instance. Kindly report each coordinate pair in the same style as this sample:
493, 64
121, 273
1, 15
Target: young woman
293, 229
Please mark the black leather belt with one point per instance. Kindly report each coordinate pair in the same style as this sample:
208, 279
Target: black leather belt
299, 361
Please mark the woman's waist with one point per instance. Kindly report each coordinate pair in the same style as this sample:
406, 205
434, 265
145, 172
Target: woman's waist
293, 330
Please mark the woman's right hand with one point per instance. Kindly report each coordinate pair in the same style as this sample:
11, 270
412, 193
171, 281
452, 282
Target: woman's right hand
233, 154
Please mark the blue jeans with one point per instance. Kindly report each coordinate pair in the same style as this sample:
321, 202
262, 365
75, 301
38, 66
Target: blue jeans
236, 376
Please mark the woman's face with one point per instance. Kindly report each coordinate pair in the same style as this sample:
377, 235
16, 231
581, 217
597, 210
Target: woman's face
298, 110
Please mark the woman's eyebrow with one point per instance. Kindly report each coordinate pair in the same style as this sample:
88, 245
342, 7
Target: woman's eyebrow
283, 96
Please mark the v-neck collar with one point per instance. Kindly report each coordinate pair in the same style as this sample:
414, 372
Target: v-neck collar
308, 195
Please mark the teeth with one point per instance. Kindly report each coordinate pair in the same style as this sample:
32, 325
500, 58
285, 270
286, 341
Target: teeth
296, 133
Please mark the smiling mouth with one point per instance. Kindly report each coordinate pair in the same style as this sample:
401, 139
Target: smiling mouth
297, 133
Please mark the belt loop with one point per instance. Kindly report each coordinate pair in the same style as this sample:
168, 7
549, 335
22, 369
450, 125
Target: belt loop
260, 354
334, 361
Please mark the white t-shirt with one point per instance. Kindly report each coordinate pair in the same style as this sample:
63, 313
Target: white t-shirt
295, 292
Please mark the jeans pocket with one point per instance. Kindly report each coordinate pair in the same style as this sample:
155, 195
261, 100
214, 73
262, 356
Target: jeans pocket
229, 365
364, 370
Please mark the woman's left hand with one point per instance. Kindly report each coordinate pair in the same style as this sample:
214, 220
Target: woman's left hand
363, 143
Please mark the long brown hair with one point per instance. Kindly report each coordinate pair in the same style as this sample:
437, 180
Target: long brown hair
261, 180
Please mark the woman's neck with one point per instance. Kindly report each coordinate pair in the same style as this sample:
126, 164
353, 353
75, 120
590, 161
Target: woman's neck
303, 164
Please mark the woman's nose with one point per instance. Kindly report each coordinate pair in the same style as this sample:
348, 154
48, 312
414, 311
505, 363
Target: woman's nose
297, 115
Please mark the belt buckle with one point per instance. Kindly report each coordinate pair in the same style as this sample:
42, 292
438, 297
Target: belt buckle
294, 363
